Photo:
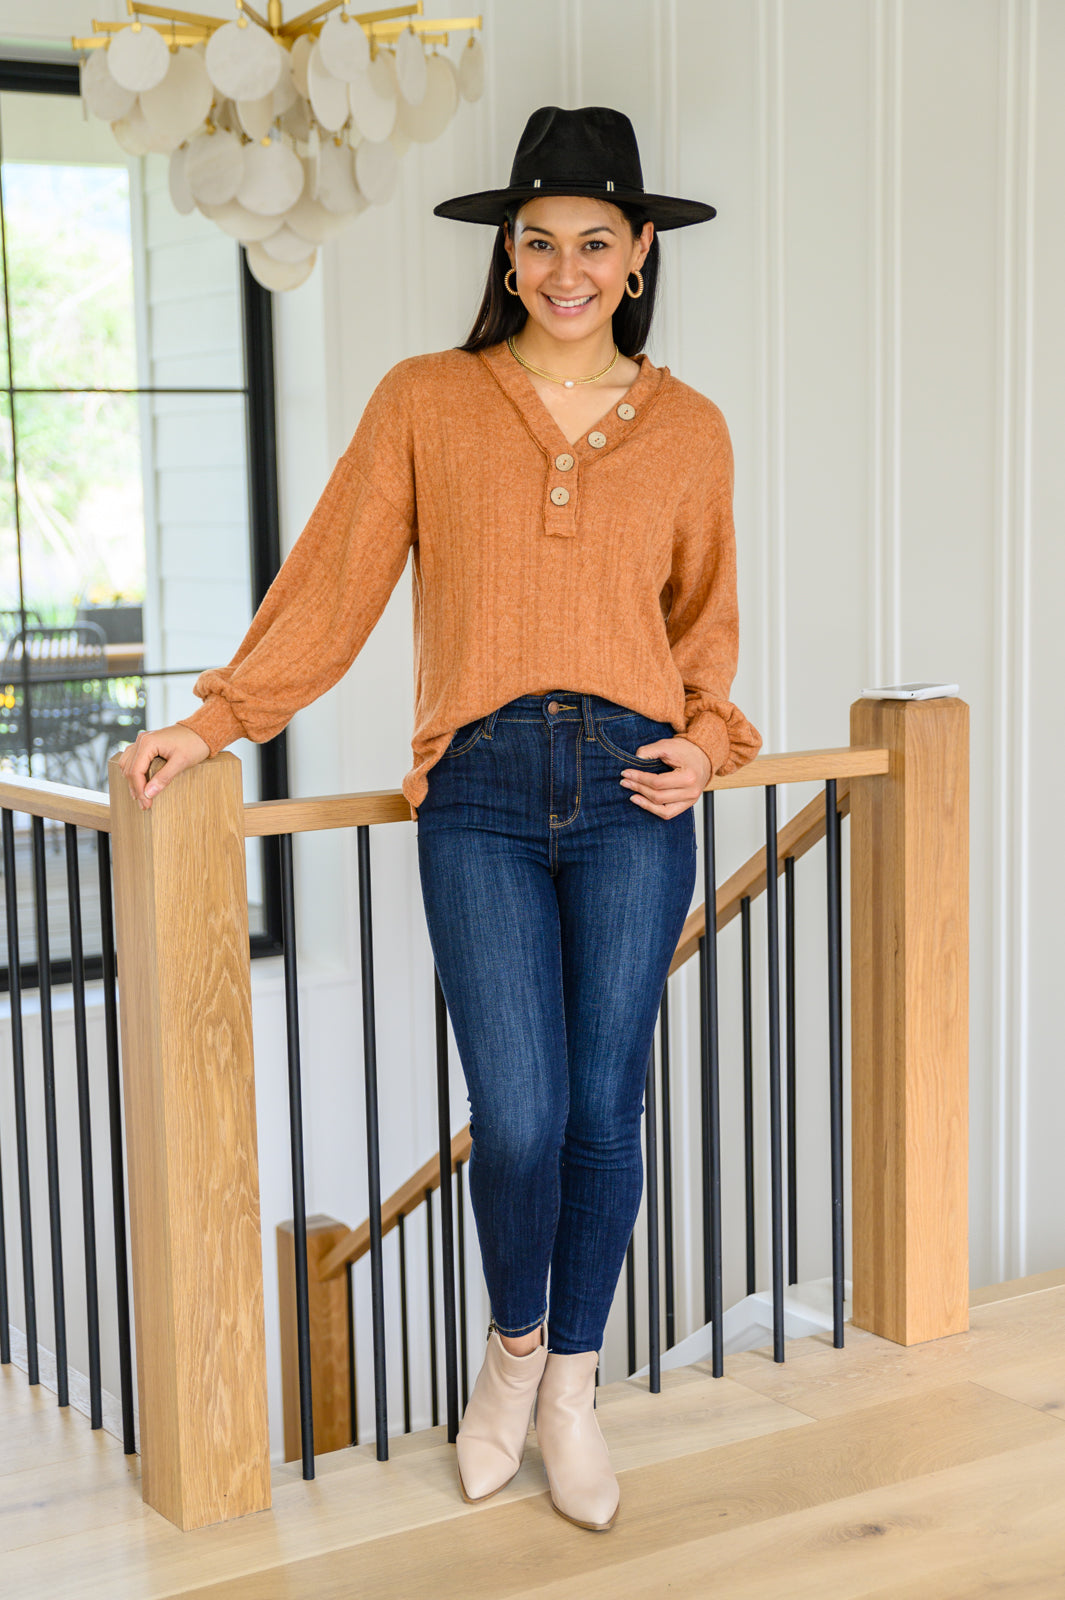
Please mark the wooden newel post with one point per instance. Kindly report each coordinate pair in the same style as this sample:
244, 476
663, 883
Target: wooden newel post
910, 1021
181, 919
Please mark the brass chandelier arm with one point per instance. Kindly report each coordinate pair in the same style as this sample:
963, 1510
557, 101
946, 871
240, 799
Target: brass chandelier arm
302, 22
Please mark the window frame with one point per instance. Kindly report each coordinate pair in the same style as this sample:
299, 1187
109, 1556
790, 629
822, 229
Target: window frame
264, 528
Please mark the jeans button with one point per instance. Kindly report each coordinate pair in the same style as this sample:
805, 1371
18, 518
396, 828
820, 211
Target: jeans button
552, 706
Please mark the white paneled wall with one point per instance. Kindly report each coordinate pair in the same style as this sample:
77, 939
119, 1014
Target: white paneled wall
877, 310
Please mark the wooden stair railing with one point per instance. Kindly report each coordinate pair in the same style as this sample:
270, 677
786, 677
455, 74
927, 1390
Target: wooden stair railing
185, 996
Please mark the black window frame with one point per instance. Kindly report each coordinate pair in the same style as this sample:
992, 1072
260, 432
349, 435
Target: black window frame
264, 528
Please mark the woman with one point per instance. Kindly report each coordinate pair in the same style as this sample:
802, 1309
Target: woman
568, 509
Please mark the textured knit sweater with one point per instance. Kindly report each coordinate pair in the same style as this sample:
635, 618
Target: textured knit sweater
605, 567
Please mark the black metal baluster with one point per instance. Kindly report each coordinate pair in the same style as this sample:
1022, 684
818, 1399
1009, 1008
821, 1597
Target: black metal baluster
654, 1313
403, 1333
81, 1059
667, 1173
711, 1115
353, 1382
789, 1036
835, 1049
114, 1113
748, 1094
630, 1299
22, 1158
447, 1219
430, 1262
295, 1132
44, 980
773, 956
460, 1207
373, 1145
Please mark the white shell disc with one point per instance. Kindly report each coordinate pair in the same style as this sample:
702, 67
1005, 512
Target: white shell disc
273, 178
309, 218
138, 57
243, 62
298, 58
471, 70
411, 67
344, 48
239, 223
296, 121
336, 189
181, 195
284, 245
278, 274
101, 92
137, 136
429, 119
328, 95
376, 170
399, 139
285, 92
372, 97
256, 116
214, 166
225, 116
179, 104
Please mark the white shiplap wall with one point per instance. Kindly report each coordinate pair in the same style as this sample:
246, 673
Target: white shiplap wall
876, 308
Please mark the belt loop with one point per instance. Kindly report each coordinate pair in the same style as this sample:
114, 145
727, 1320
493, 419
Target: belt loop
490, 721
586, 713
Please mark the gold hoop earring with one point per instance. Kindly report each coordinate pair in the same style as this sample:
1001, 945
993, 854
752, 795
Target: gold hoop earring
506, 285
628, 291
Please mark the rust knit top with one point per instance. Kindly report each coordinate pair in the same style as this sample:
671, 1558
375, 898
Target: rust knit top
607, 567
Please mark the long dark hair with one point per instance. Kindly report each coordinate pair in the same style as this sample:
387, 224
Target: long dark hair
502, 313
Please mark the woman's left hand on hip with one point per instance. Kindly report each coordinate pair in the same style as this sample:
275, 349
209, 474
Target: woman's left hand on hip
667, 794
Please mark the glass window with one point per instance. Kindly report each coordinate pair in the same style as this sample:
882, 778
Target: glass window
127, 544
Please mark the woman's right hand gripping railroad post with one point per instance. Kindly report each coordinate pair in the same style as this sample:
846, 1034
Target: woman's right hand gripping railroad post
179, 748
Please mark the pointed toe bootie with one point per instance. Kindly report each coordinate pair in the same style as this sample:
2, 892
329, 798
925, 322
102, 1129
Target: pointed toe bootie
491, 1437
575, 1454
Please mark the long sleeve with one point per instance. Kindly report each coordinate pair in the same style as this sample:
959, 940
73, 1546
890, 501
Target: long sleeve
703, 620
331, 588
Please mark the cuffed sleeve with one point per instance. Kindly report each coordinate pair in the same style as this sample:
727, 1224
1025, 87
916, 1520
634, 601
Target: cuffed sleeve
703, 620
332, 587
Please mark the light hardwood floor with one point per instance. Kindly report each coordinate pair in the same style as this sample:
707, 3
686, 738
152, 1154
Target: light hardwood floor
874, 1472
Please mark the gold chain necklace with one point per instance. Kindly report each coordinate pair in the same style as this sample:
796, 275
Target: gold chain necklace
567, 383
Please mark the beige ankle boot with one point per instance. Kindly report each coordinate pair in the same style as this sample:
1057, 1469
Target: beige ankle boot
576, 1459
491, 1437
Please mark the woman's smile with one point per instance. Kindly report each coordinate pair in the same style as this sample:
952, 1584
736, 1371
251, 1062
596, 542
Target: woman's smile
569, 305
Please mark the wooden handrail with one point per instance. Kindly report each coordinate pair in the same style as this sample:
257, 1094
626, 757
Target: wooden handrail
356, 1241
795, 838
264, 817
56, 802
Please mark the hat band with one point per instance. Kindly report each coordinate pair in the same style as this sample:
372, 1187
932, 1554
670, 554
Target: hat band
585, 183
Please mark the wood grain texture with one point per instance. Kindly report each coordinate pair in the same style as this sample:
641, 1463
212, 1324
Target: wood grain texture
57, 801
873, 1469
328, 1310
909, 841
181, 922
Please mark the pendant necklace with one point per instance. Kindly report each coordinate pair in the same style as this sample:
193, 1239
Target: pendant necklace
567, 383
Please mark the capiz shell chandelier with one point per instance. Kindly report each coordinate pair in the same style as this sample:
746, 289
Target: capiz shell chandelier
280, 132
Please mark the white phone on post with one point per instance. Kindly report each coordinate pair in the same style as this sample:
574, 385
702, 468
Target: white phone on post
910, 691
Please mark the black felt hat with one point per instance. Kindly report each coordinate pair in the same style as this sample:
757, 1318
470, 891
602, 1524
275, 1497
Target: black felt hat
589, 151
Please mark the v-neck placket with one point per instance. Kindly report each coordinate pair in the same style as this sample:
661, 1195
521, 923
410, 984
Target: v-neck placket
565, 463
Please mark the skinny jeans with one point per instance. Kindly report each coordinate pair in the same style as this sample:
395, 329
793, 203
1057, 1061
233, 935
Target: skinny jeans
554, 904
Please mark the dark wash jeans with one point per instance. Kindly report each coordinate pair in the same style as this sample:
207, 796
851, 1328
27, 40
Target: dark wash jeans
554, 904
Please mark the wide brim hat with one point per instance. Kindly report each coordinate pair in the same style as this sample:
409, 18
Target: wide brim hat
590, 151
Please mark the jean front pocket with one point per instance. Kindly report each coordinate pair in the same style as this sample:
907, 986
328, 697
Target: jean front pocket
623, 735
465, 738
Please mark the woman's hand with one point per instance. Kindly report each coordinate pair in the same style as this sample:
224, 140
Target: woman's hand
667, 794
179, 748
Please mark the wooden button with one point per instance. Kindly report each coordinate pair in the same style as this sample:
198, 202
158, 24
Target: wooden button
563, 462
559, 496
597, 440
626, 412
